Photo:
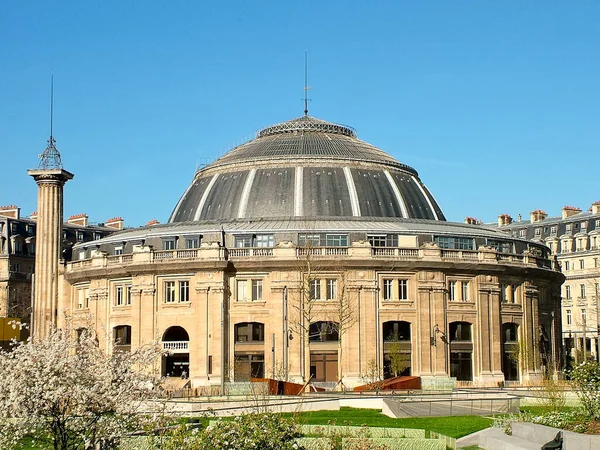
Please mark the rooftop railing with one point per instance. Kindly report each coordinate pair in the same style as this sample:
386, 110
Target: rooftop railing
359, 250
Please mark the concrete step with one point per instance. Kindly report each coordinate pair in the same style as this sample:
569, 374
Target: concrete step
506, 442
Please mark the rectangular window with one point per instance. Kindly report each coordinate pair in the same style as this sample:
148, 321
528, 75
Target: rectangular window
456, 243
169, 292
264, 240
581, 264
315, 289
567, 265
521, 233
553, 229
168, 244
309, 240
568, 227
119, 296
452, 290
582, 290
79, 236
83, 299
97, 236
118, 250
184, 291
242, 290
128, 295
584, 316
257, 290
377, 241
465, 291
331, 289
569, 319
501, 246
336, 240
403, 289
504, 293
243, 241
388, 289
583, 225
458, 290
538, 232
192, 242
568, 292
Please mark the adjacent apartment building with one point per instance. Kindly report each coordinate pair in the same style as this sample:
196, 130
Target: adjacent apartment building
17, 254
574, 237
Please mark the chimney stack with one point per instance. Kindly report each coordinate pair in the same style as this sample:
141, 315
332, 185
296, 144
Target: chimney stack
33, 215
504, 219
569, 211
116, 222
596, 207
537, 215
152, 222
12, 211
78, 219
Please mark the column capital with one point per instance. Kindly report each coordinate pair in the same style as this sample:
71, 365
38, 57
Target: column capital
50, 175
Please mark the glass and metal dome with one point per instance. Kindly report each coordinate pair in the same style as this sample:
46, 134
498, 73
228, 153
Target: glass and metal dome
306, 168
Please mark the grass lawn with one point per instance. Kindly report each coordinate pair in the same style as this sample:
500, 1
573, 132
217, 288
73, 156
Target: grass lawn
453, 426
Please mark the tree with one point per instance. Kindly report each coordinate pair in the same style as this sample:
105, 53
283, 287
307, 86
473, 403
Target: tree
66, 390
585, 380
324, 297
342, 312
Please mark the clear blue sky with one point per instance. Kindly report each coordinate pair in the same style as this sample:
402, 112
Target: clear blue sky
495, 103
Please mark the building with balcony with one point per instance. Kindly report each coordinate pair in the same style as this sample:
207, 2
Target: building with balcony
574, 238
17, 254
308, 254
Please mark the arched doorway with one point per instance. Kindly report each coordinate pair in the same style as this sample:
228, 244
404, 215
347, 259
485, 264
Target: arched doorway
396, 348
461, 351
249, 356
177, 341
323, 337
510, 351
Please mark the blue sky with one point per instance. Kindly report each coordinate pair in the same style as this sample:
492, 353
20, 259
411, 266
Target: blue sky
495, 103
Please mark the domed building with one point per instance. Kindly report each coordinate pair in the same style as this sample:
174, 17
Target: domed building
308, 254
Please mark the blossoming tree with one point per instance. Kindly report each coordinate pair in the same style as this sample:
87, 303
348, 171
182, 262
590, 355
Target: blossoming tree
66, 392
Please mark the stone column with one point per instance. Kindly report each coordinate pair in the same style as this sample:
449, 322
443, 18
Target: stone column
48, 247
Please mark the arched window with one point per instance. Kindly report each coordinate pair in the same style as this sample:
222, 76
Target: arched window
175, 333
396, 348
249, 332
461, 351
510, 351
323, 332
177, 362
460, 331
395, 330
122, 335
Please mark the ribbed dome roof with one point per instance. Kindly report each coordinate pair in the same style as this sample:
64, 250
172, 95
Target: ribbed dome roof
308, 137
306, 168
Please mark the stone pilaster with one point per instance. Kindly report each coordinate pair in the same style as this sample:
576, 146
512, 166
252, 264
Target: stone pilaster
48, 247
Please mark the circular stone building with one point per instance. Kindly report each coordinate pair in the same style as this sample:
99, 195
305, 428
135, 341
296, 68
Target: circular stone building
308, 254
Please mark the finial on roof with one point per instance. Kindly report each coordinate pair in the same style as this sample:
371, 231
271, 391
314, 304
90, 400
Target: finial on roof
306, 86
50, 158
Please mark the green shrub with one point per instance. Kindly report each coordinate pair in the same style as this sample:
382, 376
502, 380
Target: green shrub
585, 380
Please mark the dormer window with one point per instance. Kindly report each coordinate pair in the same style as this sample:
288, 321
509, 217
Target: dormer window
169, 244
